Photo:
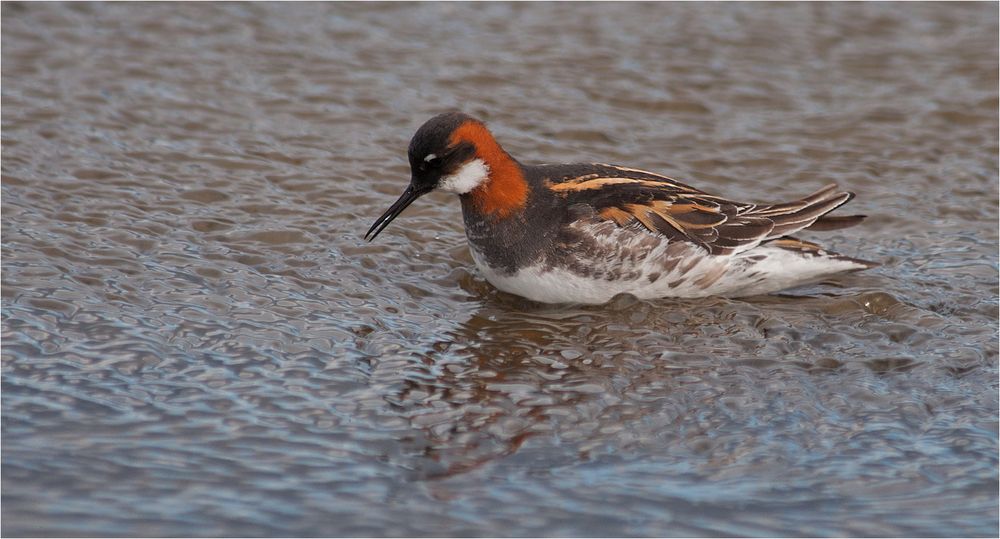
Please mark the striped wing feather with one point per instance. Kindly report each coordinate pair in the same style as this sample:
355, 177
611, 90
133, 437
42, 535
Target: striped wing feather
662, 205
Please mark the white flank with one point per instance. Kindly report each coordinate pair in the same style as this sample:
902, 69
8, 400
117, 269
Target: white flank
470, 176
772, 269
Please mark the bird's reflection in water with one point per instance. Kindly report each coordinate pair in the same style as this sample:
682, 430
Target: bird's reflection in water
517, 370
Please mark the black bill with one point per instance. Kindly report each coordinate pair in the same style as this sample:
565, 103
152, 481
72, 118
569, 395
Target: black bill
397, 208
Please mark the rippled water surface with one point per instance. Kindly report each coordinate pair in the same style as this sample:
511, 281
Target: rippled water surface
196, 340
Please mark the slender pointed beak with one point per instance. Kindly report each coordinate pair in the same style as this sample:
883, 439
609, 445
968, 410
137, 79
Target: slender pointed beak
397, 208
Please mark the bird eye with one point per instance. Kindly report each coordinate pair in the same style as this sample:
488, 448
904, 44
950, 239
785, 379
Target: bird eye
430, 161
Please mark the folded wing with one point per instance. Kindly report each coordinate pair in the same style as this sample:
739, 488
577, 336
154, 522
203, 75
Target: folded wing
665, 206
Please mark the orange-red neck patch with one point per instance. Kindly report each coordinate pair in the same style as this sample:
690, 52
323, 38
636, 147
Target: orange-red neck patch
505, 190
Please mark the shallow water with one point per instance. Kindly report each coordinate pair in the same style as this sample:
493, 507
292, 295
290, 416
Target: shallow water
196, 340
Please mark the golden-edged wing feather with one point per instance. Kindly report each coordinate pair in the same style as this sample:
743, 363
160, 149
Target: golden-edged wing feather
665, 206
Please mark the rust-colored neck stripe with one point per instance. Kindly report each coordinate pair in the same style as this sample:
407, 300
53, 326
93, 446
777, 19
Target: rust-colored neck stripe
505, 191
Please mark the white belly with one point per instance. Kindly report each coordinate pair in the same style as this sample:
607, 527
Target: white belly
559, 285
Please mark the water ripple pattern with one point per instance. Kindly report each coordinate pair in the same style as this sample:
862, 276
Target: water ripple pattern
196, 340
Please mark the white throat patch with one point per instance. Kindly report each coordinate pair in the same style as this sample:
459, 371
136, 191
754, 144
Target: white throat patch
470, 176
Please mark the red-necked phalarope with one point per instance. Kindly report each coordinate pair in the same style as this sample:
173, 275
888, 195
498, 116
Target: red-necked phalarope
583, 233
